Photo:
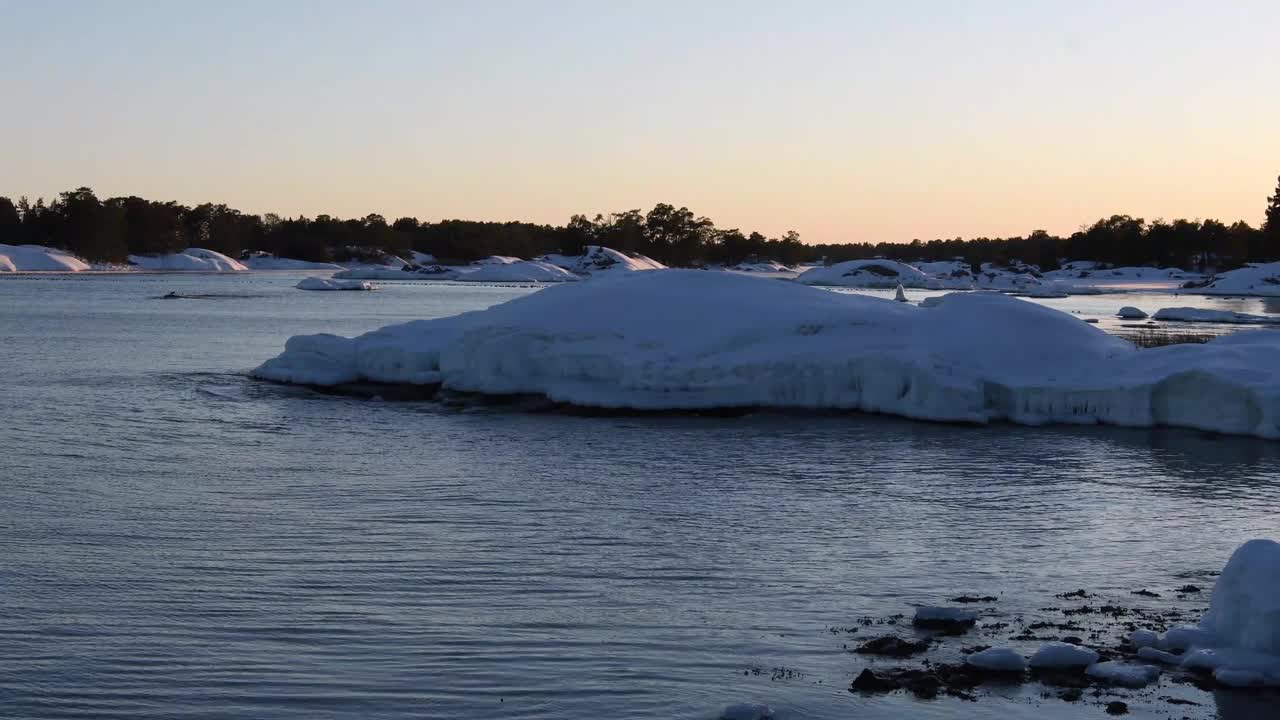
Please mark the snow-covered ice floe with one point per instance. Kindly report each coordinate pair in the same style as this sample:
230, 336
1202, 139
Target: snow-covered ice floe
189, 260
1191, 314
684, 339
407, 272
319, 283
520, 271
38, 258
1238, 639
1253, 279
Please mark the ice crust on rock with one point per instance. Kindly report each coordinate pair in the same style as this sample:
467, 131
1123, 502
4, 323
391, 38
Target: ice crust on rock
319, 283
998, 659
1062, 655
684, 339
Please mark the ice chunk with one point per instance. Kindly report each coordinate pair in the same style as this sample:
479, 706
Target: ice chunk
1125, 674
998, 659
1144, 638
1063, 655
319, 283
1129, 312
1150, 653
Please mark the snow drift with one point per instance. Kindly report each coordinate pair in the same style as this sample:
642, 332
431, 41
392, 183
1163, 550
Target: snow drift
319, 283
38, 258
520, 271
684, 339
189, 260
266, 261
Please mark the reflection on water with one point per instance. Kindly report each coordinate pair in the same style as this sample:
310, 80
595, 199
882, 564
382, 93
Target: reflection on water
182, 541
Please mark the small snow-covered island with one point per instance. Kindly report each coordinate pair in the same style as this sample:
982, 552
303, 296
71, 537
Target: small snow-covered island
691, 340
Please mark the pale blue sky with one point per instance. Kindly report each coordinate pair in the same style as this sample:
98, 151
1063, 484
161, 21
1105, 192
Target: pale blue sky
847, 121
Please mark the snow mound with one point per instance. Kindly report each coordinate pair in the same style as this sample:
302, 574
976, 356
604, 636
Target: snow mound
1190, 314
746, 711
1124, 674
189, 260
1253, 279
520, 271
1063, 655
867, 274
1129, 312
998, 659
596, 259
319, 283
38, 258
684, 339
431, 272
266, 261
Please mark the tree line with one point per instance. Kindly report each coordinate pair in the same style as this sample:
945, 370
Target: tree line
110, 230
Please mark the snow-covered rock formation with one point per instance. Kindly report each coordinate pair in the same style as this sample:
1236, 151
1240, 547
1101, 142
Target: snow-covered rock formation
520, 271
885, 274
266, 261
1191, 314
189, 260
596, 259
408, 272
1253, 279
1239, 638
38, 258
683, 339
319, 283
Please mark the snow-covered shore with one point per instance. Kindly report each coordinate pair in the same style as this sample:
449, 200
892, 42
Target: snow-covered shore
685, 339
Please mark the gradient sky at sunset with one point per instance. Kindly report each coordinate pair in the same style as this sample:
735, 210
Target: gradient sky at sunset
847, 121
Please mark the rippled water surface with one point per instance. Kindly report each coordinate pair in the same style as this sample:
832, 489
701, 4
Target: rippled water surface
177, 540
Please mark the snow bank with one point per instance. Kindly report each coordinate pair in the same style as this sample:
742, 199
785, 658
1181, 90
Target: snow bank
319, 283
1063, 655
766, 266
38, 258
1190, 314
1129, 312
998, 659
431, 272
189, 260
1125, 674
520, 271
1253, 279
596, 259
867, 274
267, 261
1092, 272
683, 339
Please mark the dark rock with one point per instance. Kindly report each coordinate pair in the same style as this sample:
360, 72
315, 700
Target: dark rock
892, 646
1115, 707
1145, 593
1186, 589
870, 682
1072, 695
973, 599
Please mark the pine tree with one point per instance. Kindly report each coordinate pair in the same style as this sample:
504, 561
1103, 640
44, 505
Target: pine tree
10, 223
1271, 226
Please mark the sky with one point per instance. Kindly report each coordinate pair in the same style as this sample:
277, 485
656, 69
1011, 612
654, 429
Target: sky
845, 121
